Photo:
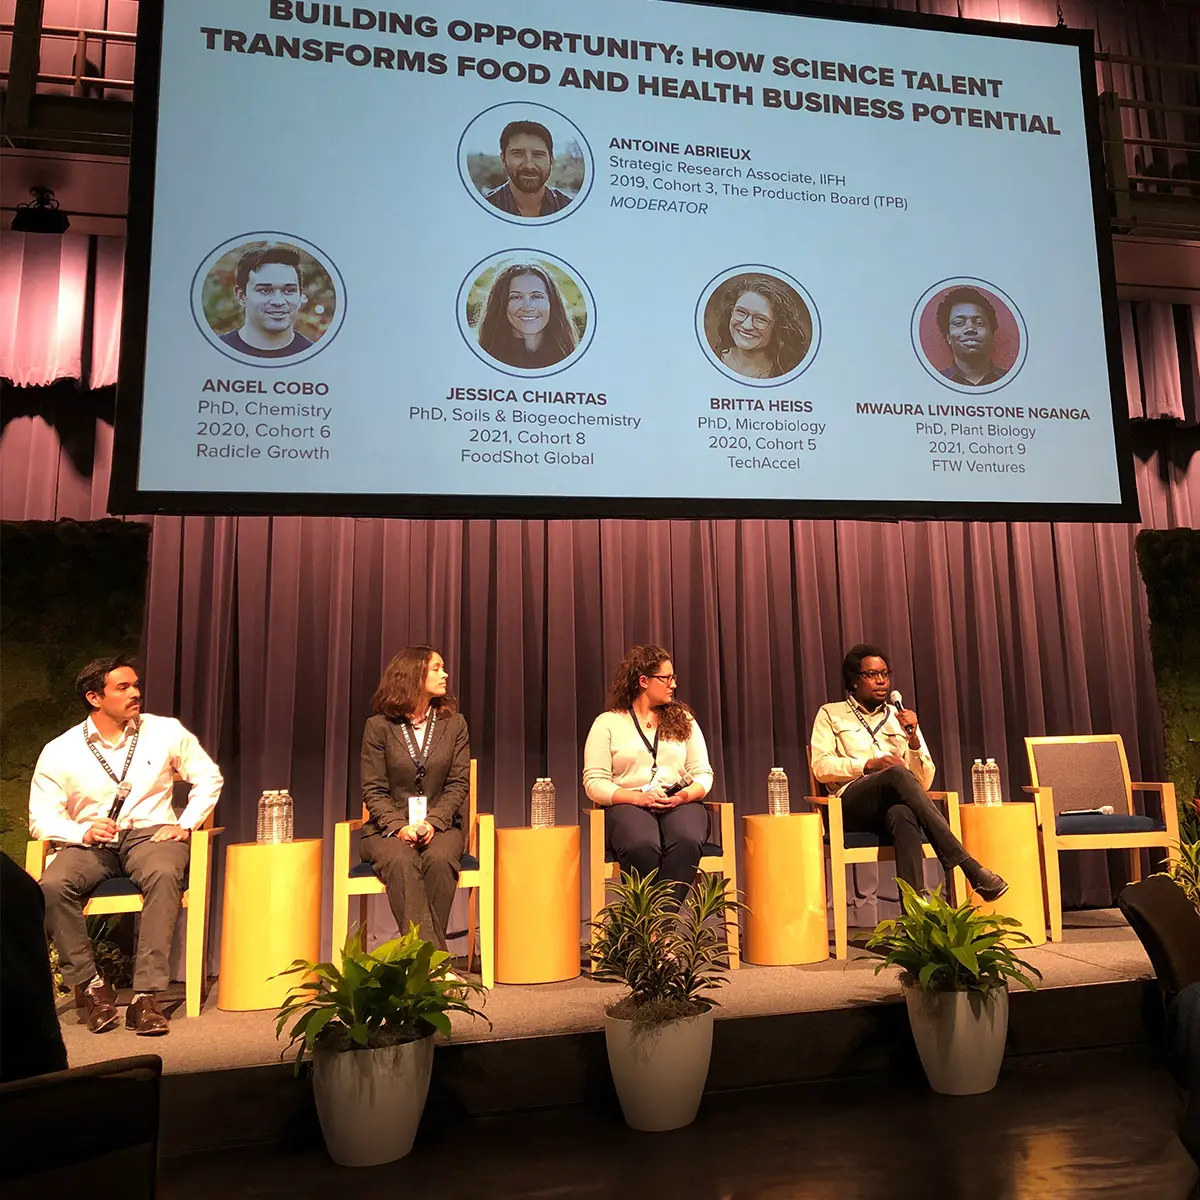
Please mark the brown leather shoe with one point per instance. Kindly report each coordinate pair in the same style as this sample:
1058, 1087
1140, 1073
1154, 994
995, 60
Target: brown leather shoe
98, 1006
145, 1017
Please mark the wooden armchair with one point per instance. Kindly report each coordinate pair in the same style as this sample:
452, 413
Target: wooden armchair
121, 895
847, 849
477, 869
716, 859
1089, 772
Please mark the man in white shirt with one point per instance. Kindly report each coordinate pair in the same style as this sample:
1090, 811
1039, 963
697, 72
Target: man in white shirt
102, 792
874, 756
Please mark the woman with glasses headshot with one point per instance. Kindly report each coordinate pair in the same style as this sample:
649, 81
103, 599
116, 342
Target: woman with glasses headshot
763, 328
646, 763
872, 753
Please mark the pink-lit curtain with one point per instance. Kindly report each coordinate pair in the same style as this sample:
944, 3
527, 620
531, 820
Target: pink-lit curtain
44, 293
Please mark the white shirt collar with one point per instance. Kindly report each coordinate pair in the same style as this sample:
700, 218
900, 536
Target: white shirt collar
94, 735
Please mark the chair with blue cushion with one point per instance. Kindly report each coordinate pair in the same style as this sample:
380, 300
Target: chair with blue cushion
715, 859
121, 895
1075, 777
848, 849
476, 869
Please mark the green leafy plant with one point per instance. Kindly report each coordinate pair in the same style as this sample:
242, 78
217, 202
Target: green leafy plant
668, 954
1185, 870
401, 992
942, 947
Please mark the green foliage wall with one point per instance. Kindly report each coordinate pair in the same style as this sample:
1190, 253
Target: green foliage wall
70, 592
1170, 563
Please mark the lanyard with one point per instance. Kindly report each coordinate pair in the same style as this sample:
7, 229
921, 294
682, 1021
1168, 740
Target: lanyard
123, 788
863, 721
417, 754
652, 746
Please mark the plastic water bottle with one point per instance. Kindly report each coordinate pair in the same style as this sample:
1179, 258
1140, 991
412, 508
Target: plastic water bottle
264, 800
992, 782
286, 816
978, 786
541, 804
778, 801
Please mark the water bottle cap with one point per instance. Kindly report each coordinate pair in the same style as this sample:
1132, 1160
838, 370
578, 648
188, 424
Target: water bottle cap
779, 769
979, 762
991, 761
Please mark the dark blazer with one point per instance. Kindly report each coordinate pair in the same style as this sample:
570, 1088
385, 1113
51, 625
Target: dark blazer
389, 774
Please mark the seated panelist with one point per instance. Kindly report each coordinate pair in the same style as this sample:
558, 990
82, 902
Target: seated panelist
416, 775
646, 763
874, 756
102, 792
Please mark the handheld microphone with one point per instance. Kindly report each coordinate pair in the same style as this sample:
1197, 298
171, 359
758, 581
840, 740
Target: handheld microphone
895, 698
123, 790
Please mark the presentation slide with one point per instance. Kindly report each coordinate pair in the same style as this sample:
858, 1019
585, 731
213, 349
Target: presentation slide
524, 256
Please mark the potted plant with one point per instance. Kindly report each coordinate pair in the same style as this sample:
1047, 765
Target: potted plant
955, 966
369, 1027
669, 955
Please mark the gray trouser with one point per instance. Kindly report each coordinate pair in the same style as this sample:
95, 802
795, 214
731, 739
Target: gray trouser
158, 869
420, 882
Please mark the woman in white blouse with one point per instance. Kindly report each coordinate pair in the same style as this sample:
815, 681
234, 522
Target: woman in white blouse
646, 763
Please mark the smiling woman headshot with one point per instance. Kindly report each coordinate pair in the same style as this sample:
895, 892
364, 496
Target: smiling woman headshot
762, 328
525, 321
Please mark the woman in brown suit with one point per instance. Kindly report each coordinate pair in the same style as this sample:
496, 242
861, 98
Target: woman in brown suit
416, 745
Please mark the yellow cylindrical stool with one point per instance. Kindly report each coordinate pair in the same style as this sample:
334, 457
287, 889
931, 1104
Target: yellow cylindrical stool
271, 915
785, 890
537, 904
1004, 838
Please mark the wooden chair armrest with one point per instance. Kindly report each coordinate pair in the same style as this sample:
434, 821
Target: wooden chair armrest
35, 857
1166, 796
351, 826
1035, 791
823, 800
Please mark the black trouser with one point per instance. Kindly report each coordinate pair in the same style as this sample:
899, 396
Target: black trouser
667, 842
894, 806
420, 880
158, 868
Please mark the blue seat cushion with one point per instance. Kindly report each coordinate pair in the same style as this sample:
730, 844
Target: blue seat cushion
707, 850
1099, 823
365, 870
108, 888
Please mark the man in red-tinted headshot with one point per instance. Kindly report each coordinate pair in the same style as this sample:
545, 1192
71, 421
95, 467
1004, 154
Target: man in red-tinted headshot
967, 320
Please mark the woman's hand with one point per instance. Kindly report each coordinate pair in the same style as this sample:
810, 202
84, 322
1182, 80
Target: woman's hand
420, 834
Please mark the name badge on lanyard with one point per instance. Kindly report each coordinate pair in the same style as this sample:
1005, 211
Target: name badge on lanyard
418, 806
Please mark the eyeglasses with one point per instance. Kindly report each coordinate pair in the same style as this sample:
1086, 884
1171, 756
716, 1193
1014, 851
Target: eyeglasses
758, 320
874, 674
666, 678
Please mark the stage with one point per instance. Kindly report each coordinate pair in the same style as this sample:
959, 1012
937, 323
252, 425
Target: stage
775, 1025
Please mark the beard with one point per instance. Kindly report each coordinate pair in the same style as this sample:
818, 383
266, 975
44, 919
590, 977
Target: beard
529, 181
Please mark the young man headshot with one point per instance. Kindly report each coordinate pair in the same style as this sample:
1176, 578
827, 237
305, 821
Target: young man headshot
270, 288
101, 792
967, 321
527, 151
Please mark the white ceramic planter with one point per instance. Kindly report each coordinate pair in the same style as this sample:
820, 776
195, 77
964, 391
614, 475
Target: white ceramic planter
370, 1101
960, 1037
660, 1073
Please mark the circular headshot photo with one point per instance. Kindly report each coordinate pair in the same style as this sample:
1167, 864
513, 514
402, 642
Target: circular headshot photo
526, 312
525, 163
969, 335
757, 325
268, 298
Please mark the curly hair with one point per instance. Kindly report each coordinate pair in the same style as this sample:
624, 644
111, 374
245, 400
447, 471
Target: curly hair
852, 663
496, 334
674, 719
402, 685
789, 338
964, 295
